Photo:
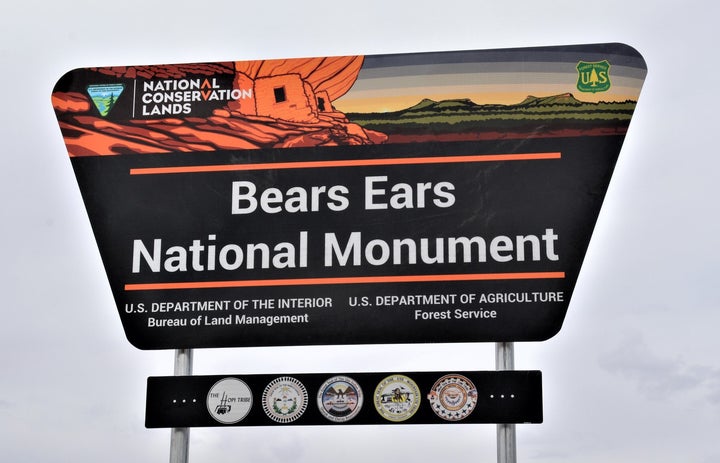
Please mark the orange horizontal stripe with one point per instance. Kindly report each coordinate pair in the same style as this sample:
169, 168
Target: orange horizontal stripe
344, 280
345, 163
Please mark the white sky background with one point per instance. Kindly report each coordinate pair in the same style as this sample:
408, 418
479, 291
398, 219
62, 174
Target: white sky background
634, 375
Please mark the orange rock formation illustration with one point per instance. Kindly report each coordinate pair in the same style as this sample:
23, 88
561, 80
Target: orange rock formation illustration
290, 105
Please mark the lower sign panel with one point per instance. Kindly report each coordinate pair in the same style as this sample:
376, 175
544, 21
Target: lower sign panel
347, 398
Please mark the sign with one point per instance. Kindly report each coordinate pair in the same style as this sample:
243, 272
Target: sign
432, 197
353, 398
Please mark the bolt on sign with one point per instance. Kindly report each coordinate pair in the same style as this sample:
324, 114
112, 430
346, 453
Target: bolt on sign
425, 197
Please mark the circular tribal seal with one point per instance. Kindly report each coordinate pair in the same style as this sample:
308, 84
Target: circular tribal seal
397, 398
229, 400
453, 397
285, 399
340, 399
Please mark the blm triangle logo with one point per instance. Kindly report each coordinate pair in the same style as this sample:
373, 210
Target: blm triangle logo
105, 96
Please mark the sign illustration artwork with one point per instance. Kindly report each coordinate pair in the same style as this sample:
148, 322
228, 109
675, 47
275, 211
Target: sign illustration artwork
429, 197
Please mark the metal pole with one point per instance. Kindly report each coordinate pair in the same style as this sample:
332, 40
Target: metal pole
506, 444
180, 437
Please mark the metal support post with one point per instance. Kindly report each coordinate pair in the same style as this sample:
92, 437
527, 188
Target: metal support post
506, 444
180, 437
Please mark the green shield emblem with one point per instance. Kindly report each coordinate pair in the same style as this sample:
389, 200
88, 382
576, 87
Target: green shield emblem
593, 77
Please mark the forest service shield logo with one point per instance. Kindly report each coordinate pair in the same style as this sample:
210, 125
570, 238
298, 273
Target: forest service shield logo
594, 76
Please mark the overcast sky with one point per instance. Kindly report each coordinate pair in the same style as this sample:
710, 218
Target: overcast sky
634, 375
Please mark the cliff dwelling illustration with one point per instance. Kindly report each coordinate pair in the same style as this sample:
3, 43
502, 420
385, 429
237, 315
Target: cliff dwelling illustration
283, 104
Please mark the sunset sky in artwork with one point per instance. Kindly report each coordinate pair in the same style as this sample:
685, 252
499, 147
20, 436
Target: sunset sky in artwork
385, 86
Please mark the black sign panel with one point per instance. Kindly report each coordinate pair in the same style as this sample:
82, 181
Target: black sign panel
345, 399
266, 224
